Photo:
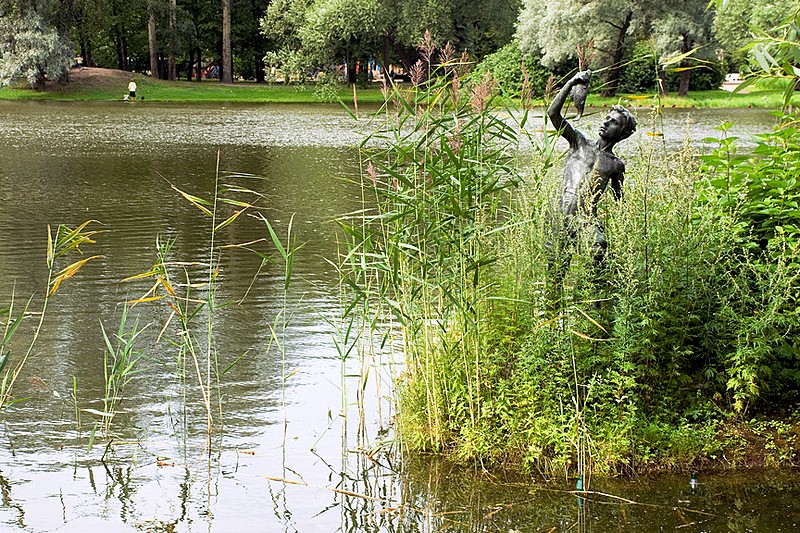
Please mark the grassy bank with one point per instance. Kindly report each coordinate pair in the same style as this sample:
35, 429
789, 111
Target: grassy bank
766, 98
95, 84
679, 350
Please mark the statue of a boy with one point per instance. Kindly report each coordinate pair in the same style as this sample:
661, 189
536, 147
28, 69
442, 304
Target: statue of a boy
591, 166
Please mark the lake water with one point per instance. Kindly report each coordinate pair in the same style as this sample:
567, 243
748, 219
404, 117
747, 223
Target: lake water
298, 431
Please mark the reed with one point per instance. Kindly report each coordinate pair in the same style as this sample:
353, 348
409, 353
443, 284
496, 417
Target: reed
60, 243
649, 355
441, 190
189, 289
119, 365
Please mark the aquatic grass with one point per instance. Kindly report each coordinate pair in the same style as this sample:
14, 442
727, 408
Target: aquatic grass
279, 327
60, 243
189, 288
120, 359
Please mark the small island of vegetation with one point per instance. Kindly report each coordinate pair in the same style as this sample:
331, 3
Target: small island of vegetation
688, 355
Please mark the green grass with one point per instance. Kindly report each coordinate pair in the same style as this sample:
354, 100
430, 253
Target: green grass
761, 98
110, 85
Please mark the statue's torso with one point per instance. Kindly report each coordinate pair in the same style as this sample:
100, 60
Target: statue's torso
586, 176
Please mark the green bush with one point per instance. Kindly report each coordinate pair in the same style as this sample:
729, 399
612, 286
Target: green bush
760, 193
640, 74
506, 68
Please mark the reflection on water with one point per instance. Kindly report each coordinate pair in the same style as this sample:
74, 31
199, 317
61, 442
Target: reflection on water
292, 451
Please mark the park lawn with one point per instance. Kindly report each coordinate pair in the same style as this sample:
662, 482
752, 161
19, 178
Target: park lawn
759, 98
97, 84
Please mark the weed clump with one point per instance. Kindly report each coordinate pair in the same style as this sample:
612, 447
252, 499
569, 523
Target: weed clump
691, 328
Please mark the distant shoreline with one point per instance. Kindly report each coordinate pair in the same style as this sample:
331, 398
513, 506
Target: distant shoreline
98, 84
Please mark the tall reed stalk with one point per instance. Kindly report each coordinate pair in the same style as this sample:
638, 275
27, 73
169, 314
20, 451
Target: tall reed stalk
187, 299
420, 248
59, 243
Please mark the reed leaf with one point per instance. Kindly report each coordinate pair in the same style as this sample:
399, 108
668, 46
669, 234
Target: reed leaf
196, 201
68, 272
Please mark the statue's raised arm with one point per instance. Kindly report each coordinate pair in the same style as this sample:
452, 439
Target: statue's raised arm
561, 124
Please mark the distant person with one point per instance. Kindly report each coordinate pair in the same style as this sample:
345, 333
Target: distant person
132, 90
591, 166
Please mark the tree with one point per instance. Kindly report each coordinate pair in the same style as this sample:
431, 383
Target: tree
173, 39
737, 20
775, 54
152, 39
329, 31
556, 29
226, 74
32, 50
683, 30
85, 21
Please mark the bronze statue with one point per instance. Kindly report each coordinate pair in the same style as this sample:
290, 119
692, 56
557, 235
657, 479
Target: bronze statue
591, 166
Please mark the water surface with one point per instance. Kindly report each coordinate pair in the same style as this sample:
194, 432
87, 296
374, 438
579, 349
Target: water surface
291, 450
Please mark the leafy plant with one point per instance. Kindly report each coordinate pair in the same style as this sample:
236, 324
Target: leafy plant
761, 195
59, 243
775, 55
119, 366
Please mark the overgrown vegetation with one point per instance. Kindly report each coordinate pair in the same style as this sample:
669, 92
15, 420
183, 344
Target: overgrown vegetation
689, 336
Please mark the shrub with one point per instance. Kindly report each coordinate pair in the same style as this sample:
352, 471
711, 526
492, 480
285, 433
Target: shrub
505, 66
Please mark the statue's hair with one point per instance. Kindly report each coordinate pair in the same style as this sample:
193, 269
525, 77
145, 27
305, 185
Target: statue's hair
630, 121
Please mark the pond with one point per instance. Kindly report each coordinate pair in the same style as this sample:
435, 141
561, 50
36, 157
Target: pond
296, 424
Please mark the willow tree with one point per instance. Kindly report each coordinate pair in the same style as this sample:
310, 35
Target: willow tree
327, 31
556, 29
738, 21
31, 49
683, 29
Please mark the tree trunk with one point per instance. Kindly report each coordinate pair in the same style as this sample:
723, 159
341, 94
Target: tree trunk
190, 74
407, 56
260, 76
614, 74
39, 84
683, 87
226, 74
151, 40
173, 40
124, 41
387, 47
118, 48
88, 58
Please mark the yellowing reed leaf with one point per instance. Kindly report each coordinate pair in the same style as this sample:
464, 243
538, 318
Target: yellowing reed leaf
229, 220
587, 337
68, 272
49, 247
145, 300
175, 308
167, 286
140, 276
199, 203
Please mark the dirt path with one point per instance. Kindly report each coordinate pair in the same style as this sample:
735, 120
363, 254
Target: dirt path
105, 78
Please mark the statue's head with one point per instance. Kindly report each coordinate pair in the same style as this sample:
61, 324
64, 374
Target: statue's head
618, 125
